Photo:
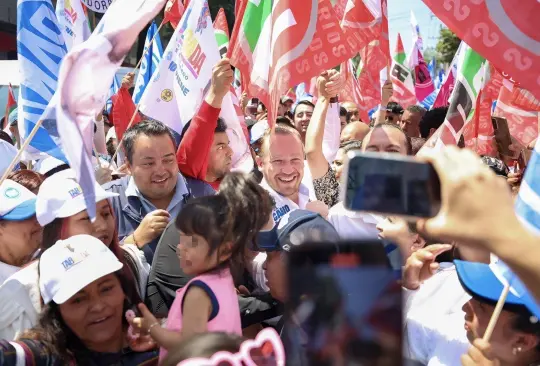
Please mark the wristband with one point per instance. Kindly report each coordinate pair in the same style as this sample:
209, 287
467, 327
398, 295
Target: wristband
334, 99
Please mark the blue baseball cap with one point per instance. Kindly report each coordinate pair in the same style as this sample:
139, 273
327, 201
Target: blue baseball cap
479, 280
16, 202
294, 228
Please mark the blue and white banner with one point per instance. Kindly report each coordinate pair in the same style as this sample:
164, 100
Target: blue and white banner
150, 63
527, 206
112, 91
40, 48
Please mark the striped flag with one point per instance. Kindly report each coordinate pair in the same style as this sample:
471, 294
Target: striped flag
221, 29
472, 73
402, 78
73, 22
84, 81
40, 49
423, 82
174, 10
11, 105
115, 86
150, 63
278, 44
527, 207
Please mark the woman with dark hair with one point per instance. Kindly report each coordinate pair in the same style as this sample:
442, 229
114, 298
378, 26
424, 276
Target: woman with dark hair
61, 210
82, 323
29, 179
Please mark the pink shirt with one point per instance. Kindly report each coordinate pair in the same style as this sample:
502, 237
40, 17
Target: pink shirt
225, 316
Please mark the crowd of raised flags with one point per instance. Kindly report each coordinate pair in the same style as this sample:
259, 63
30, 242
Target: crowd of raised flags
68, 74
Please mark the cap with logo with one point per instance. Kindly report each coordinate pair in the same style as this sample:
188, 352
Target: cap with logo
16, 202
72, 264
293, 229
60, 197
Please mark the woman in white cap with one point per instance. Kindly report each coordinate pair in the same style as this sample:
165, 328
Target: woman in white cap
82, 323
61, 210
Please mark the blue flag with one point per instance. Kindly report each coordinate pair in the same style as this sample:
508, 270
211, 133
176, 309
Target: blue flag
40, 48
112, 91
527, 208
431, 67
150, 63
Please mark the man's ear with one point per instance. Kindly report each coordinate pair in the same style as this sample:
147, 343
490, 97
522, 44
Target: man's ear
431, 132
418, 243
259, 161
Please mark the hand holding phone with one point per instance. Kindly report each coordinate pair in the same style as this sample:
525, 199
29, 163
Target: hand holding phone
391, 184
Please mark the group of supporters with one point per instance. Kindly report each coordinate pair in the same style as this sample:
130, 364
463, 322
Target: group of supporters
186, 255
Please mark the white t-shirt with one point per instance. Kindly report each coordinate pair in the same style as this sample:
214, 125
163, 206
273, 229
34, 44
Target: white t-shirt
284, 204
434, 332
354, 225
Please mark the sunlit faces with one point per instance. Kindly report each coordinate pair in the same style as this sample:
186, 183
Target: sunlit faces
102, 228
385, 139
302, 116
220, 157
339, 162
397, 230
275, 270
154, 166
504, 337
352, 111
95, 314
410, 122
282, 163
194, 254
19, 240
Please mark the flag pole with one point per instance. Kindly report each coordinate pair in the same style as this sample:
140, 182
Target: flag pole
496, 313
138, 104
17, 157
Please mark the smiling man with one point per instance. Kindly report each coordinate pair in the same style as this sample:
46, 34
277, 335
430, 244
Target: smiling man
155, 191
281, 160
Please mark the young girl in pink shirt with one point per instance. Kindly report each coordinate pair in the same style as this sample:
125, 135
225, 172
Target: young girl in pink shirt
214, 232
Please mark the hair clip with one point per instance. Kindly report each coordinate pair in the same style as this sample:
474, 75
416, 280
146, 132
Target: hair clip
265, 350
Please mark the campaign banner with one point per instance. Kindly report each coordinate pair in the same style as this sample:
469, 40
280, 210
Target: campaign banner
99, 6
73, 22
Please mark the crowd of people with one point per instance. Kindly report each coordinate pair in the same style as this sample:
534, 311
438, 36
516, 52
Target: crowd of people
187, 257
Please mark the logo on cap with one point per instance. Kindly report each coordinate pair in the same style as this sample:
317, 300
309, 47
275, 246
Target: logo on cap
75, 192
12, 193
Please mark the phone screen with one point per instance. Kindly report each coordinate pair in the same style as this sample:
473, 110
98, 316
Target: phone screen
344, 306
392, 185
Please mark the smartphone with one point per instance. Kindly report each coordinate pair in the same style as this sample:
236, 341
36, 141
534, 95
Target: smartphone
391, 185
344, 305
503, 137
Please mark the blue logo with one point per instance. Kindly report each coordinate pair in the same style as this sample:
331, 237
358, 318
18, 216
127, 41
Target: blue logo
12, 193
280, 212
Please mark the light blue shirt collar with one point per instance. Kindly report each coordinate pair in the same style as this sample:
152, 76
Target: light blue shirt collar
181, 191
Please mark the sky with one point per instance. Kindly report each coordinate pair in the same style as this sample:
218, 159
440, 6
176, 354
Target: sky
399, 15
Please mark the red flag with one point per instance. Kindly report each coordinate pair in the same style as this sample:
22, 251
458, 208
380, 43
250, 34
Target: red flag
402, 78
174, 13
339, 8
351, 90
505, 32
220, 23
10, 106
305, 39
121, 112
360, 25
423, 83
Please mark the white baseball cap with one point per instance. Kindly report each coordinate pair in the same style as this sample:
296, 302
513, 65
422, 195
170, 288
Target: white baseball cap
60, 197
258, 130
72, 264
7, 152
16, 202
46, 165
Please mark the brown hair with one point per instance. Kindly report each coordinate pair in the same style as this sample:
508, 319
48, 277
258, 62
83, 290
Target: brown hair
29, 179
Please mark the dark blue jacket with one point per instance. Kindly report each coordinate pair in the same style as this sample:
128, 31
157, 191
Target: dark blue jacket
129, 211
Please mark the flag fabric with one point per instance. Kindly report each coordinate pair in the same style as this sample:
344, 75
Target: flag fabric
184, 76
351, 91
278, 44
417, 37
443, 95
360, 25
431, 67
11, 105
84, 81
40, 49
423, 82
472, 73
522, 121
222, 32
115, 86
402, 78
237, 82
122, 111
73, 22
527, 208
504, 31
238, 134
173, 12
151, 59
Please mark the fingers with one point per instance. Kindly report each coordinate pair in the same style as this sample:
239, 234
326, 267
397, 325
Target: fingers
484, 348
160, 213
144, 310
437, 249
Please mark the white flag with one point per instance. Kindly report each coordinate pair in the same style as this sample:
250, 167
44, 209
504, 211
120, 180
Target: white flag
72, 22
184, 76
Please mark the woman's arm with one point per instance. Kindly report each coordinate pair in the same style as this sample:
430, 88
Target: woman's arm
317, 163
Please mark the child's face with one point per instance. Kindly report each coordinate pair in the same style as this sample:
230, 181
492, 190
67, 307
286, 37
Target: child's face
192, 251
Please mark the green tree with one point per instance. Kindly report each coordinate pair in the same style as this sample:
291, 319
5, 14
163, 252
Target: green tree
447, 46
